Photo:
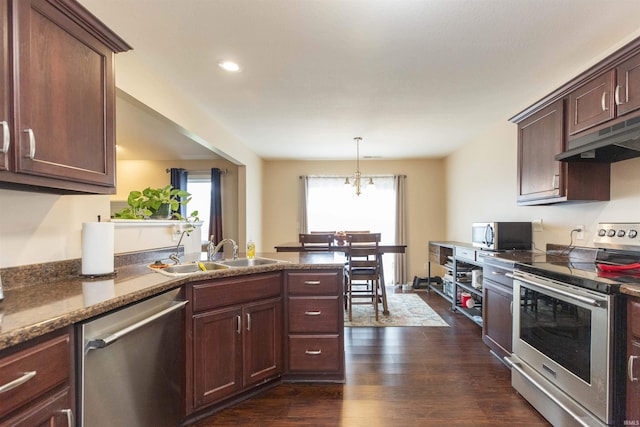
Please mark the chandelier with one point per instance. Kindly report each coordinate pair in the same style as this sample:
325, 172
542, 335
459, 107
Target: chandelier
357, 176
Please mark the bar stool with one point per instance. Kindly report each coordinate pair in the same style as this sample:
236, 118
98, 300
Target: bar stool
362, 271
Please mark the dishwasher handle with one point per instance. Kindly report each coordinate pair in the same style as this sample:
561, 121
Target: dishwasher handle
97, 343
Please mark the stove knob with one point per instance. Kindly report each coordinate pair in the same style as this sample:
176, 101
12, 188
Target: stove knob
602, 232
611, 233
621, 233
633, 234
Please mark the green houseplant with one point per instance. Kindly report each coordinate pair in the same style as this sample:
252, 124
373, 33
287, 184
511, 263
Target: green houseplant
156, 203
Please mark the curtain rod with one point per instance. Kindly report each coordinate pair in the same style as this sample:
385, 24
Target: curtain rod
222, 171
343, 175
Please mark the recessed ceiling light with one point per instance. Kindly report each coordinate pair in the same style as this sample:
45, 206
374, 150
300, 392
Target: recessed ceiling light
229, 66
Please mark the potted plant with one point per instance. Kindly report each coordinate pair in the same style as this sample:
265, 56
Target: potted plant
155, 203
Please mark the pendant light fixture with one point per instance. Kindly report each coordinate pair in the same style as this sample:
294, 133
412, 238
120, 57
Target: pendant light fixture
357, 176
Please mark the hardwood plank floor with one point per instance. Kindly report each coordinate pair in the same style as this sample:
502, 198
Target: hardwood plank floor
399, 376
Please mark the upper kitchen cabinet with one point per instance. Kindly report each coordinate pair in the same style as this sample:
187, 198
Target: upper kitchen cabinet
58, 73
592, 103
544, 180
612, 94
627, 91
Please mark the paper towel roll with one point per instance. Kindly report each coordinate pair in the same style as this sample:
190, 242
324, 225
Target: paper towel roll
97, 248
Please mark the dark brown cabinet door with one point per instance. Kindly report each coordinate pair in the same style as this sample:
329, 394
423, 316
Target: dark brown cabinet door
65, 93
263, 341
627, 92
54, 411
632, 415
540, 138
497, 319
217, 355
592, 103
5, 89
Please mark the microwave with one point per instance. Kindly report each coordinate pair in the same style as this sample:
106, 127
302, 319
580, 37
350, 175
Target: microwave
501, 236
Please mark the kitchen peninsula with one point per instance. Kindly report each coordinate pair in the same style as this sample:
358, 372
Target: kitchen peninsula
46, 311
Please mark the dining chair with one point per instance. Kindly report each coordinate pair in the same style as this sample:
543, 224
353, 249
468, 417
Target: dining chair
362, 271
316, 242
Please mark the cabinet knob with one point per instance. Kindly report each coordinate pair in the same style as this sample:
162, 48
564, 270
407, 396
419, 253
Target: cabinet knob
69, 414
603, 101
313, 313
18, 381
6, 137
32, 144
616, 95
630, 369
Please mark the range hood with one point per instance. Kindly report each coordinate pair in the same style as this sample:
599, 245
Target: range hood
612, 144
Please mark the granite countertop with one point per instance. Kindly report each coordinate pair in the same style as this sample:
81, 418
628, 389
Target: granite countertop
35, 309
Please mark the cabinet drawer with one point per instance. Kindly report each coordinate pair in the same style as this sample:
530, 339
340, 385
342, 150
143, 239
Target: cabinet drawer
42, 367
315, 354
237, 290
497, 274
305, 283
314, 315
465, 253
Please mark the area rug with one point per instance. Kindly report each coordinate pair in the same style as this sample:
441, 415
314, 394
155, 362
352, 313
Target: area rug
405, 309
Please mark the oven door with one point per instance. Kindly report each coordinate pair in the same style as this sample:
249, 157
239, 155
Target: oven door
562, 339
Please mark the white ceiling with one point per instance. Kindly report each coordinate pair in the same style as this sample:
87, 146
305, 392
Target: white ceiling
414, 78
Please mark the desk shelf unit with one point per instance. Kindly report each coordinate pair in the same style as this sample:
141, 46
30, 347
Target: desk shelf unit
458, 262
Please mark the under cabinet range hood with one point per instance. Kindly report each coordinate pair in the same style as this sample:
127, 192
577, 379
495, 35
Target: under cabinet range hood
612, 144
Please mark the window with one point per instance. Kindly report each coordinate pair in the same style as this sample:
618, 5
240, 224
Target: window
199, 185
334, 206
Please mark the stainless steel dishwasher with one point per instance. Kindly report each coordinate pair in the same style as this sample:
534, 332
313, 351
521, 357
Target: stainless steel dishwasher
131, 363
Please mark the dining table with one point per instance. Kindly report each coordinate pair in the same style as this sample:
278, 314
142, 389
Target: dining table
383, 248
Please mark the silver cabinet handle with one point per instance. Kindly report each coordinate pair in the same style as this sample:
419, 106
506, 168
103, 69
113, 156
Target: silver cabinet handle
19, 381
6, 137
239, 325
603, 101
313, 313
497, 273
312, 282
616, 95
313, 352
32, 144
630, 369
248, 321
69, 414
97, 343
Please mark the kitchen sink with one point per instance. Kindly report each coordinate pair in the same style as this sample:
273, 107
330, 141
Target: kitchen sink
187, 269
248, 262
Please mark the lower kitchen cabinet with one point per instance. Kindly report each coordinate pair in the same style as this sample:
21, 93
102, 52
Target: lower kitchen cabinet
315, 325
36, 382
234, 337
632, 416
497, 307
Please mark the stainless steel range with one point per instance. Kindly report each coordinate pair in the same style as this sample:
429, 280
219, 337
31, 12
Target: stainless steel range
568, 356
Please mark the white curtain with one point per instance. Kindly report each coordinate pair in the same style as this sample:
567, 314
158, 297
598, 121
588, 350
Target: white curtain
303, 216
400, 274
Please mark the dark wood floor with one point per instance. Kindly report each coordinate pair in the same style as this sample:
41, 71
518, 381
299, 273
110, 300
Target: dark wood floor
410, 376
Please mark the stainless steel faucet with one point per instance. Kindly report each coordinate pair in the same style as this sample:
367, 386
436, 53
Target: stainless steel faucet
219, 245
175, 257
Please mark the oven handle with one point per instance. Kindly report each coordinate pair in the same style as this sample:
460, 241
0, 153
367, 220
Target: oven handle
97, 343
571, 295
519, 370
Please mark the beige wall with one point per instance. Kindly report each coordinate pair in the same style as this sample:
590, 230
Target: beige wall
425, 200
139, 174
481, 181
